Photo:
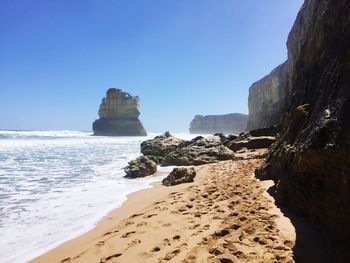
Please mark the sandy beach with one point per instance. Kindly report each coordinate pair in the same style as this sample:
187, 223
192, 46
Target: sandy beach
224, 216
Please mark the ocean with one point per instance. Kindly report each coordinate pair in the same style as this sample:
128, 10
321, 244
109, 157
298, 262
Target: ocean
56, 185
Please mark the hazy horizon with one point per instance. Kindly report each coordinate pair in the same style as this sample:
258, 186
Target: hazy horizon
182, 58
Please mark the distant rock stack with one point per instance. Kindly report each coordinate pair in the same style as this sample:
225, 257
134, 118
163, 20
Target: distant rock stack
227, 123
119, 115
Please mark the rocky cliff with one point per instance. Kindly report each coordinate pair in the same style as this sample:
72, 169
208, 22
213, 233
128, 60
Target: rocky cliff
228, 123
266, 99
119, 115
310, 162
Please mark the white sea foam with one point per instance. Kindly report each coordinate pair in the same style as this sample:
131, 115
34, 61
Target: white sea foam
55, 185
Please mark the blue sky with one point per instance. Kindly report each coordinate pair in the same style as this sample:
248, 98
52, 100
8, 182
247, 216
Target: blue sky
182, 57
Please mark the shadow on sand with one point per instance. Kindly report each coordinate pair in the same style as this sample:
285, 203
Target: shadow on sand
312, 244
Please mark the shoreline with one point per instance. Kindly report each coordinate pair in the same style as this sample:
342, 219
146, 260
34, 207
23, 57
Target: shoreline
119, 213
162, 171
107, 240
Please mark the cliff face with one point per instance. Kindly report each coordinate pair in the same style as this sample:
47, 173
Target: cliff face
119, 115
310, 163
266, 99
228, 123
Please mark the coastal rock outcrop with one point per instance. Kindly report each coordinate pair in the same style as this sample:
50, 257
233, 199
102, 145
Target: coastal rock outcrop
160, 146
266, 99
251, 142
168, 150
199, 151
227, 123
310, 162
140, 167
119, 115
179, 176
254, 139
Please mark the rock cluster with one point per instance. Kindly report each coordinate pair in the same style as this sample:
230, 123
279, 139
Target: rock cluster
119, 115
169, 150
266, 99
227, 123
310, 161
179, 176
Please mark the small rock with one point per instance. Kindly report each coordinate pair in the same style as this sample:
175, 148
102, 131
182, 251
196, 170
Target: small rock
179, 176
140, 167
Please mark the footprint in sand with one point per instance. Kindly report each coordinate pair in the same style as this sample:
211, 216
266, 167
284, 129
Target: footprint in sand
171, 254
225, 260
221, 233
155, 249
216, 251
134, 242
128, 234
135, 215
194, 226
149, 216
100, 244
141, 224
182, 209
197, 214
235, 226
111, 232
176, 237
128, 223
105, 259
166, 242
206, 227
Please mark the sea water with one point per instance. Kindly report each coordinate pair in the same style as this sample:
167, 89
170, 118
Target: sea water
55, 185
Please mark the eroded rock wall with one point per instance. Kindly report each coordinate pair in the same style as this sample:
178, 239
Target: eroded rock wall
119, 115
266, 99
227, 123
310, 162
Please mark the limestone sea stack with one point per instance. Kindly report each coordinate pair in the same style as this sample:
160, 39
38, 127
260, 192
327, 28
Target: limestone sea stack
119, 115
227, 123
266, 99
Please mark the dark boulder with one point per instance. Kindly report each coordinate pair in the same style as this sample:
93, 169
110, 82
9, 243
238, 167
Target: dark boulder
179, 176
140, 167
